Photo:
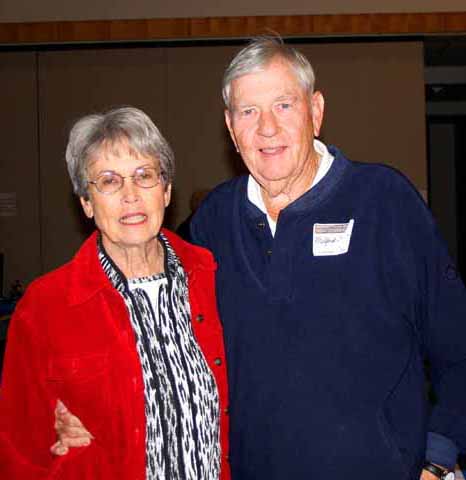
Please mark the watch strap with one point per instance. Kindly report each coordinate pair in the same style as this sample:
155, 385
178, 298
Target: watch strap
439, 472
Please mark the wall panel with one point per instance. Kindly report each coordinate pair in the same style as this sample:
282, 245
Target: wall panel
375, 107
19, 164
204, 153
74, 83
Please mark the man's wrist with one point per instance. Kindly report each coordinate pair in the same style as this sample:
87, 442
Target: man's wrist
440, 472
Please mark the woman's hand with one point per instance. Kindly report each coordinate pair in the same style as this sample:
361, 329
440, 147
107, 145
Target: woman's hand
70, 431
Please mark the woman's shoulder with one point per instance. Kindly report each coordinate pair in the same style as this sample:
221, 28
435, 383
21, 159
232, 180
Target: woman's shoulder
51, 285
55, 286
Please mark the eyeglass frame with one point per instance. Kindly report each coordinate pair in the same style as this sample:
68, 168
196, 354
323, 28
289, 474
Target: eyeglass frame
159, 180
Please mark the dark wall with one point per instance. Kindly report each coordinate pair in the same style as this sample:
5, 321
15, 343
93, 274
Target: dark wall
374, 110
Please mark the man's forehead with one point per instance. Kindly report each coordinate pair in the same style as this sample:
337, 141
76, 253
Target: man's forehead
276, 79
276, 64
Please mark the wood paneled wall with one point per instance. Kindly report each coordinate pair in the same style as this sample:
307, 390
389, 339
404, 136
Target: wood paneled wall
19, 167
233, 27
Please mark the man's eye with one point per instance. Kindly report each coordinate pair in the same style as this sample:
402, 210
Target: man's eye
247, 112
285, 106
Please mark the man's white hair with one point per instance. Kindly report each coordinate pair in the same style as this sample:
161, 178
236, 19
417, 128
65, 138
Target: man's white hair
256, 56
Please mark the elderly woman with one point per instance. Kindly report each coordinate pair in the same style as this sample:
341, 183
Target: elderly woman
126, 335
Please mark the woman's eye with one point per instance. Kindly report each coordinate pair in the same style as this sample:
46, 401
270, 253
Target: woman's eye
146, 174
110, 180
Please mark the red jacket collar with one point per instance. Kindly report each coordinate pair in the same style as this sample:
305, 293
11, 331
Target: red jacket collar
87, 276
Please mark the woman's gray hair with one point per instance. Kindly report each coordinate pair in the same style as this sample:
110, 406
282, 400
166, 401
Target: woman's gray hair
258, 54
127, 124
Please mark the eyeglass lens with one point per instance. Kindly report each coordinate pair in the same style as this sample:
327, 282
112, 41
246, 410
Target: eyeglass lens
110, 182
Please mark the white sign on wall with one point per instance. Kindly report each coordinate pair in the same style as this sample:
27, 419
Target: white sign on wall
8, 205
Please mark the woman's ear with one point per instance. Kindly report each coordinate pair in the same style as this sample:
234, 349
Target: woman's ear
87, 207
167, 194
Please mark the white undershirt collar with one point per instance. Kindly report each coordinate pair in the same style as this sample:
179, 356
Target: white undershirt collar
254, 190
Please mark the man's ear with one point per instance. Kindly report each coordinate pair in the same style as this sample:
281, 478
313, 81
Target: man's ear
229, 123
317, 110
87, 207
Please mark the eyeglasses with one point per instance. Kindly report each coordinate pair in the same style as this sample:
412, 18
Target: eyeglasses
110, 182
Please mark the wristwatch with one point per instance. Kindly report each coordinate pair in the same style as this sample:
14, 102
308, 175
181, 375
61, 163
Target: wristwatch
439, 472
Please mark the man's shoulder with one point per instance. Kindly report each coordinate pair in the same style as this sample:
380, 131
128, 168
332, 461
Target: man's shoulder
389, 180
212, 221
191, 256
219, 202
226, 191
387, 190
379, 176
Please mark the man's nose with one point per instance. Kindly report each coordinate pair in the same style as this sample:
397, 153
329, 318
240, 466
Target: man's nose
268, 125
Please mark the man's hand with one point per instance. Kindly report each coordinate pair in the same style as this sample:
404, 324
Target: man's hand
70, 431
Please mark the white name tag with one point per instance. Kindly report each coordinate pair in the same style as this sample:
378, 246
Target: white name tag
331, 238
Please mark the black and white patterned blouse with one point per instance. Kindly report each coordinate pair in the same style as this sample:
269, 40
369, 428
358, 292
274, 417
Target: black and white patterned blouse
181, 396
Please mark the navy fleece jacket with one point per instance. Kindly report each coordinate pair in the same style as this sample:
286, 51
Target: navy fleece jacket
326, 352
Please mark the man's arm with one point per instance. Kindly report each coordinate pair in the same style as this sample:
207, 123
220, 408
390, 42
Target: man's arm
440, 314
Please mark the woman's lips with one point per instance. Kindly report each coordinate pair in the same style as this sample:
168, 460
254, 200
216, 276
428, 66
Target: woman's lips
133, 219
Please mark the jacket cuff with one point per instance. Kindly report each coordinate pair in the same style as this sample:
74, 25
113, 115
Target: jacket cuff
441, 450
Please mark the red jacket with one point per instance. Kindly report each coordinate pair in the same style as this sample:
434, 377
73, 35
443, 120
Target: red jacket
71, 338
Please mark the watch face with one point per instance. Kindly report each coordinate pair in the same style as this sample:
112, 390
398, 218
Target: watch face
449, 476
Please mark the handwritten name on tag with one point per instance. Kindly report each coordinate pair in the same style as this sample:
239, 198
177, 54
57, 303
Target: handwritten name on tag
331, 238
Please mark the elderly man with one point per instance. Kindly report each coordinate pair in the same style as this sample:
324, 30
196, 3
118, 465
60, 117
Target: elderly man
334, 288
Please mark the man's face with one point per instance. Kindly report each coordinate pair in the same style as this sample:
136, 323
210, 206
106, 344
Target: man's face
273, 122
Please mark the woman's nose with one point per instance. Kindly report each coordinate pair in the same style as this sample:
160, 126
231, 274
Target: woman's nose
129, 190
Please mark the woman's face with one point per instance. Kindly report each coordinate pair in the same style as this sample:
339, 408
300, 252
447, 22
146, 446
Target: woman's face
131, 217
